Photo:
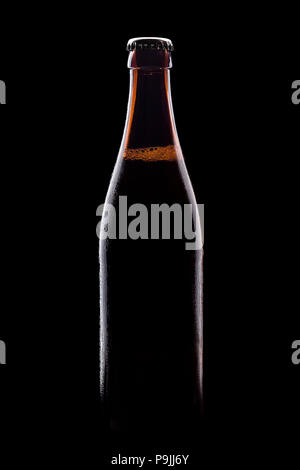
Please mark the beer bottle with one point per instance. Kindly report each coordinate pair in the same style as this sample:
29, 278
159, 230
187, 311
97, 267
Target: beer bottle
151, 327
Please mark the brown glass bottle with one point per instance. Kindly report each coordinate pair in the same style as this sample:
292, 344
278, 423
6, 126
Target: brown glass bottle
151, 288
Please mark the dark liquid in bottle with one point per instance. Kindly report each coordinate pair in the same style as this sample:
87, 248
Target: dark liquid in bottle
151, 303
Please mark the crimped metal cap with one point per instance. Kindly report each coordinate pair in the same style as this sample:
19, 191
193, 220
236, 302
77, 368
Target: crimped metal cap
149, 44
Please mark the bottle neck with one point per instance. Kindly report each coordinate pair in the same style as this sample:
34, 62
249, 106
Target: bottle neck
150, 131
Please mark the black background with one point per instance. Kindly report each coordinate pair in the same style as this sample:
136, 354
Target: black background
60, 135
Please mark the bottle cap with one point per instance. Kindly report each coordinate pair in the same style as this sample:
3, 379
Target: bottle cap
149, 44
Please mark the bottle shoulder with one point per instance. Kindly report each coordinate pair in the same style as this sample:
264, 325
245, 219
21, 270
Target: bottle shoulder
151, 180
